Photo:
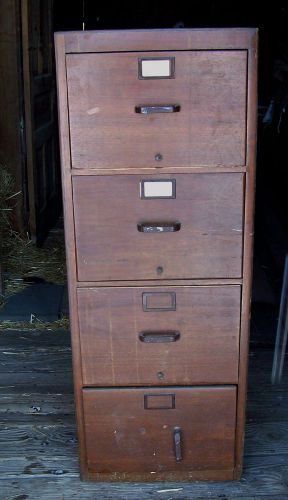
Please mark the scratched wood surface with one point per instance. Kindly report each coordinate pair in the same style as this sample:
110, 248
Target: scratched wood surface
209, 129
38, 442
123, 427
209, 208
215, 252
206, 320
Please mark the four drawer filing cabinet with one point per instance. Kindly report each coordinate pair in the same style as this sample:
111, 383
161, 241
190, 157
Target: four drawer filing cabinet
157, 133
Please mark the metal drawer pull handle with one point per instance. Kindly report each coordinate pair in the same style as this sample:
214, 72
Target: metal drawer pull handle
159, 337
159, 227
165, 108
177, 444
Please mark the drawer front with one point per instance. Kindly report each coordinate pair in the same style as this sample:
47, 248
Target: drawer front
161, 335
157, 429
207, 126
194, 233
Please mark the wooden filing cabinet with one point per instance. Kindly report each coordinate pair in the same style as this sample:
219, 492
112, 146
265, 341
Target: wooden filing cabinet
158, 133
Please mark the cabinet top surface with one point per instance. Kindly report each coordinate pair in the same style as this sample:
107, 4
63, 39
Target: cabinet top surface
158, 39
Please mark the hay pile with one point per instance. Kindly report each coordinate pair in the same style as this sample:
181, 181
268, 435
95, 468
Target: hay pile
60, 324
21, 260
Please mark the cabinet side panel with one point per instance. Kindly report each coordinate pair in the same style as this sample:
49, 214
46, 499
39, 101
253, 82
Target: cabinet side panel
247, 251
69, 235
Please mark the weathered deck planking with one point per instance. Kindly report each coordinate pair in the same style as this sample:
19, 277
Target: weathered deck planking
38, 443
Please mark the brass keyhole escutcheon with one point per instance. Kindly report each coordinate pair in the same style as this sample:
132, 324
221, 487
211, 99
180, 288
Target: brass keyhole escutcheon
160, 375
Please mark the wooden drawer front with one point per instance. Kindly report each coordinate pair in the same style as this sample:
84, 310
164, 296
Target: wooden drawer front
209, 129
108, 210
135, 429
161, 335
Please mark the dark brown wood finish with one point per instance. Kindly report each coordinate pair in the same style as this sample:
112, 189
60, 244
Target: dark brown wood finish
160, 169
206, 319
233, 212
107, 210
156, 283
247, 251
155, 39
209, 129
40, 123
70, 240
127, 437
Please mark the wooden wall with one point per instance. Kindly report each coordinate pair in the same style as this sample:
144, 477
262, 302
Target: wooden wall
11, 116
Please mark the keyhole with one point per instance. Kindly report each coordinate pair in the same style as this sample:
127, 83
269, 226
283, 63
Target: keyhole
159, 270
160, 375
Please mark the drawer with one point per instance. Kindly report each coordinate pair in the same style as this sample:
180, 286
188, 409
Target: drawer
161, 335
205, 90
157, 429
194, 232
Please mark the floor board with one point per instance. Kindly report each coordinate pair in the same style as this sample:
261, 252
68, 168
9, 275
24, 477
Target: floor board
38, 443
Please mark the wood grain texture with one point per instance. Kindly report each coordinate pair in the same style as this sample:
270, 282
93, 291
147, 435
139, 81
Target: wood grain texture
207, 319
50, 467
155, 39
40, 134
11, 104
69, 234
51, 407
29, 118
270, 485
123, 436
247, 248
104, 89
211, 251
14, 361
157, 283
167, 476
158, 168
107, 210
43, 438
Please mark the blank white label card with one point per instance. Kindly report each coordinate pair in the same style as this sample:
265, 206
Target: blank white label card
158, 188
156, 68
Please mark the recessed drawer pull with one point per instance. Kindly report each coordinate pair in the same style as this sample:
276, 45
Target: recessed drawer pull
159, 337
177, 444
159, 227
165, 108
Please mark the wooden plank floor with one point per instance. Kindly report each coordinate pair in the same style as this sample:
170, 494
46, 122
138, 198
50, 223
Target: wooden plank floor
38, 444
